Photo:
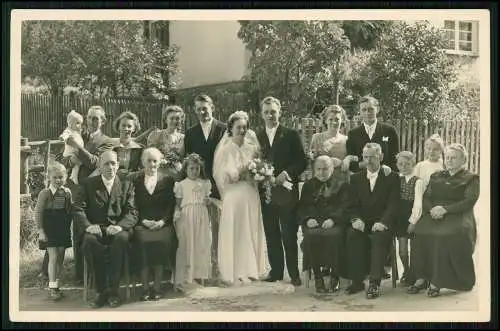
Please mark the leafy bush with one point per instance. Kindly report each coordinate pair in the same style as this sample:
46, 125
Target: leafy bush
411, 71
29, 231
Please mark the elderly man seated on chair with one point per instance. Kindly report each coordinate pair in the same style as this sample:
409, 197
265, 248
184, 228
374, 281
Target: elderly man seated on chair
106, 212
373, 198
321, 214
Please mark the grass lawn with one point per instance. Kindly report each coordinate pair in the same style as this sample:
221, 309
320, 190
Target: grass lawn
31, 266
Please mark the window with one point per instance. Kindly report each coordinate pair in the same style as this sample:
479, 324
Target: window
459, 36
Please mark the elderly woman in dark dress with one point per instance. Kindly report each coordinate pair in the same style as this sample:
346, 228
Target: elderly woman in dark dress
445, 236
129, 151
320, 212
155, 242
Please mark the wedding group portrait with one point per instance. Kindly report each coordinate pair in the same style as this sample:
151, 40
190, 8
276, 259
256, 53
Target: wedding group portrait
327, 165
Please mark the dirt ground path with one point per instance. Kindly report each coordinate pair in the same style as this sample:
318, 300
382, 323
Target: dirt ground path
260, 296
265, 297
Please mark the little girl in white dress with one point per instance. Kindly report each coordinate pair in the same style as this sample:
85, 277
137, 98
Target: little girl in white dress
192, 224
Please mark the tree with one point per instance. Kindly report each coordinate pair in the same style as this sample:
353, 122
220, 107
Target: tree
293, 59
462, 101
46, 53
410, 72
101, 58
364, 36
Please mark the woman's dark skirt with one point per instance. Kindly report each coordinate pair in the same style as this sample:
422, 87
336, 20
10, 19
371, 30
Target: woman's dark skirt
323, 248
442, 251
156, 247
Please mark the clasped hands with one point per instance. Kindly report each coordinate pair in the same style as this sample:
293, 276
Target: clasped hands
360, 226
153, 225
437, 212
111, 230
313, 223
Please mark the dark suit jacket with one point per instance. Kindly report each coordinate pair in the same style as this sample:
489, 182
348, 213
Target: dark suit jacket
90, 155
157, 206
286, 153
314, 205
377, 206
135, 157
95, 206
194, 142
385, 135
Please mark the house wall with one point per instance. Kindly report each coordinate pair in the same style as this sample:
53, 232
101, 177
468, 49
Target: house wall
210, 52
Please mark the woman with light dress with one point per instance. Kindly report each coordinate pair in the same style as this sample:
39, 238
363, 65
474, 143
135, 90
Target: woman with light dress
242, 246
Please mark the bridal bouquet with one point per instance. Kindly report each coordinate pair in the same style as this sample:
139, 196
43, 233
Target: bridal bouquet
262, 172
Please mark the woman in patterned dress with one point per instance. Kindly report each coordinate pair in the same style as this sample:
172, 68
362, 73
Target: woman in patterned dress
170, 141
330, 141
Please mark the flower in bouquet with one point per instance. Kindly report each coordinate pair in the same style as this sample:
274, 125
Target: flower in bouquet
172, 160
262, 172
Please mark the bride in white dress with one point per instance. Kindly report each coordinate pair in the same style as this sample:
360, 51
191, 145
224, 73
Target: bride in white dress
241, 244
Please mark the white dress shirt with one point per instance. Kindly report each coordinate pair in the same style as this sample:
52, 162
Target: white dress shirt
108, 183
53, 189
370, 129
271, 133
372, 177
206, 127
416, 211
150, 182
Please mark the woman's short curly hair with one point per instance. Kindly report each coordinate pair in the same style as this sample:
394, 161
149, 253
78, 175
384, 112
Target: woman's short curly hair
171, 109
237, 115
333, 109
128, 116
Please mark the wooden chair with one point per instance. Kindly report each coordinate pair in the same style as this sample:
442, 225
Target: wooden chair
89, 279
394, 263
307, 274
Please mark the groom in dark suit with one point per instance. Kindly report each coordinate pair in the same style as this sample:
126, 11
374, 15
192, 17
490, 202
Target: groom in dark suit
283, 148
202, 139
371, 131
373, 200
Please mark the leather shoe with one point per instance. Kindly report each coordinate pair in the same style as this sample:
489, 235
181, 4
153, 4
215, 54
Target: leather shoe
114, 301
99, 302
334, 284
373, 291
355, 288
296, 281
270, 279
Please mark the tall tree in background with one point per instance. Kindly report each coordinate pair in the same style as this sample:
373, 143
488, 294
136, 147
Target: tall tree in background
364, 37
46, 53
100, 58
410, 72
293, 59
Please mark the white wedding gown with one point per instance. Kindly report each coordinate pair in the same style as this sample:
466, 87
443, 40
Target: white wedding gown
241, 243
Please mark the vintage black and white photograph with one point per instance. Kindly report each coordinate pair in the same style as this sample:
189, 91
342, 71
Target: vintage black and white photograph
250, 162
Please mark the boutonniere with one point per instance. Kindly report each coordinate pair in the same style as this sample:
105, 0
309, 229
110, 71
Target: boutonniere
385, 138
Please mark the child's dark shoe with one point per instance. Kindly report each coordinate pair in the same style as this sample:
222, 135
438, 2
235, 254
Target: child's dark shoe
55, 294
